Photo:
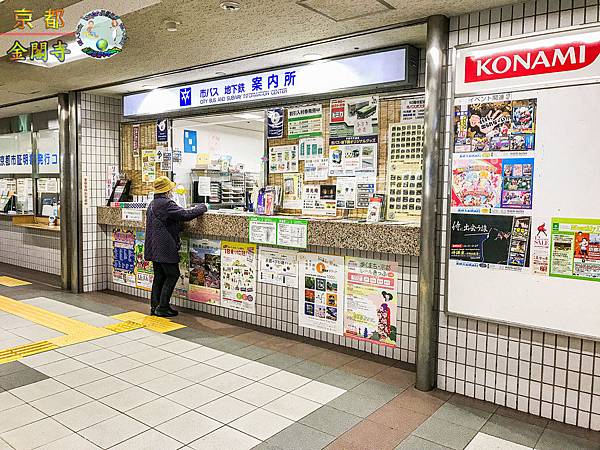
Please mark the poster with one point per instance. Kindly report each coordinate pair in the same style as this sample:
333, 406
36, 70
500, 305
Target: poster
148, 165
183, 284
498, 126
278, 267
354, 155
190, 141
517, 183
412, 110
354, 117
365, 189
135, 140
319, 200
371, 300
540, 245
238, 276
262, 230
310, 148
477, 183
345, 193
321, 292
144, 274
305, 121
112, 176
316, 169
275, 123
162, 130
205, 271
496, 241
283, 159
292, 191
292, 233
123, 270
166, 164
575, 249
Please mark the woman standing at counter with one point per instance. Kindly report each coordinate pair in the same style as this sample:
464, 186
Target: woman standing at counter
164, 223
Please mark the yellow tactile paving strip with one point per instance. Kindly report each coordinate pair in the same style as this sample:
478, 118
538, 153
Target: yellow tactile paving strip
12, 282
74, 331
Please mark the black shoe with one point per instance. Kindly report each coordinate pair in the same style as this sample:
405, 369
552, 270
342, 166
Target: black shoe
165, 312
174, 311
152, 311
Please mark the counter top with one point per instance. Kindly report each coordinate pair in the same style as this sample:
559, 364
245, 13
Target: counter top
385, 237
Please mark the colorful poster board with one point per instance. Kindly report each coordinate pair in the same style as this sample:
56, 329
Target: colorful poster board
358, 116
278, 267
238, 276
321, 292
144, 274
575, 249
123, 267
353, 155
305, 121
371, 301
205, 271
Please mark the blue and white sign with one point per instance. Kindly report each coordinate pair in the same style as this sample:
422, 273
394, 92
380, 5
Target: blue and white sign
320, 77
275, 123
162, 130
190, 141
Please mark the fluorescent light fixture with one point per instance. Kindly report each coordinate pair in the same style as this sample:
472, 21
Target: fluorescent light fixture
248, 116
76, 54
312, 56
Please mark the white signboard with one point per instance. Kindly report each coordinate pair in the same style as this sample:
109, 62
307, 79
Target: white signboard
308, 79
132, 215
279, 267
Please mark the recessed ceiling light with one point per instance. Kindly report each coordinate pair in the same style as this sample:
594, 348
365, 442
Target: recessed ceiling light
220, 74
230, 6
312, 56
248, 116
171, 25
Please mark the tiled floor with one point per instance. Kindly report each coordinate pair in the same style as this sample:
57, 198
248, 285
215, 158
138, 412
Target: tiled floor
221, 385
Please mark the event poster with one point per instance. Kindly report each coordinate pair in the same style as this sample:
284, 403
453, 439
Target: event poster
205, 271
321, 292
238, 276
311, 148
353, 155
575, 249
517, 183
148, 165
305, 121
497, 126
275, 123
371, 300
183, 284
495, 241
278, 267
354, 117
476, 183
144, 274
283, 159
319, 200
123, 270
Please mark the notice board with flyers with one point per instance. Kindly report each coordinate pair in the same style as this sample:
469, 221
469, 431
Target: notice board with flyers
524, 224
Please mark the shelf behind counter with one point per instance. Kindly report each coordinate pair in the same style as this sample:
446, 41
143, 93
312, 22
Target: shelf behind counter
384, 237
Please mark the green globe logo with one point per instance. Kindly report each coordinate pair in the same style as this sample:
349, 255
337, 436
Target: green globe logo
102, 44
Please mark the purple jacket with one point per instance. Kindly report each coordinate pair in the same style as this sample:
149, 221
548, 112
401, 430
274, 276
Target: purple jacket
164, 223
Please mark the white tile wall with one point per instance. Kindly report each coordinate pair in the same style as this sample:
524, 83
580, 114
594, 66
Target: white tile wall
32, 249
545, 374
99, 148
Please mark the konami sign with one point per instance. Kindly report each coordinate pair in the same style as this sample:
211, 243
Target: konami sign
563, 58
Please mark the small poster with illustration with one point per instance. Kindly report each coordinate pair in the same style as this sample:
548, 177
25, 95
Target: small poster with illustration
144, 274
238, 276
205, 271
371, 301
183, 284
476, 183
123, 269
321, 292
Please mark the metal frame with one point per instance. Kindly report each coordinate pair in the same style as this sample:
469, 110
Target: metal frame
448, 192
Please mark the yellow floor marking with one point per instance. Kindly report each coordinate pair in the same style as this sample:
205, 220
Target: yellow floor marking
12, 282
74, 331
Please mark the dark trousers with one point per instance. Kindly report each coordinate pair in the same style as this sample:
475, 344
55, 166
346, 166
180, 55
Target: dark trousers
166, 276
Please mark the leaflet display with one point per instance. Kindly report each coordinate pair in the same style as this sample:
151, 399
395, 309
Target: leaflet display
524, 226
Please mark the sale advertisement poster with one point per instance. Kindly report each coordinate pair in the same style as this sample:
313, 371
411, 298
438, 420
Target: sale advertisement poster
238, 276
575, 248
476, 183
123, 269
278, 267
494, 241
540, 245
205, 271
357, 116
371, 301
144, 274
350, 156
321, 292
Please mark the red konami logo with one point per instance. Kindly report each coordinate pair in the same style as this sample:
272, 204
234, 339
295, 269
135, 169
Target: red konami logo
534, 61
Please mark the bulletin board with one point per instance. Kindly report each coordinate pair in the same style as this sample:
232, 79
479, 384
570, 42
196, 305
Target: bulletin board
523, 233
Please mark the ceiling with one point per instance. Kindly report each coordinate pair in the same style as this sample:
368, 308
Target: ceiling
247, 121
208, 35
